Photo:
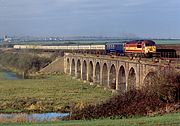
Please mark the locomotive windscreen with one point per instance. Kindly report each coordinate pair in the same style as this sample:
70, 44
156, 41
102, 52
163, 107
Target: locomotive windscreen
149, 43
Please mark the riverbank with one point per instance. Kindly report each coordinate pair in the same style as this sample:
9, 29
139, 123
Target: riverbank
24, 63
171, 119
58, 93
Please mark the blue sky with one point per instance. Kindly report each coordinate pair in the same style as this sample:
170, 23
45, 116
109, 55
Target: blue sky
144, 18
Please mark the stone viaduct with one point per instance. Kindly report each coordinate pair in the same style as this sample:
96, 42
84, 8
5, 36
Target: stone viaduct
115, 73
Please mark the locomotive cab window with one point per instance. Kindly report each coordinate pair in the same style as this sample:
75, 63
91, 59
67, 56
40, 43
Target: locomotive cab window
138, 46
150, 44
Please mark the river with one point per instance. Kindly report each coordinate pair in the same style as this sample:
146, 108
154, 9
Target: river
11, 75
35, 117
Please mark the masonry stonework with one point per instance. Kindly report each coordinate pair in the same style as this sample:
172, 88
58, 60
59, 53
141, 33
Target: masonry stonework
114, 73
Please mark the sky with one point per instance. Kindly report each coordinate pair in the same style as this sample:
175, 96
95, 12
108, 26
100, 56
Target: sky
142, 18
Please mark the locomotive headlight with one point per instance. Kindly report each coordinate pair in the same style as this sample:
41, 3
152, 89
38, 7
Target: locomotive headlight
153, 48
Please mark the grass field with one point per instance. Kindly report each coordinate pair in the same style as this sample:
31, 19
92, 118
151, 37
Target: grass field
1, 76
58, 93
172, 119
55, 93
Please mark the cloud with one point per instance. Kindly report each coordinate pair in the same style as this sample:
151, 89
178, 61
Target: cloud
88, 16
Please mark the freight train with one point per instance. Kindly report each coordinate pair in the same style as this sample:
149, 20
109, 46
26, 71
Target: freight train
143, 48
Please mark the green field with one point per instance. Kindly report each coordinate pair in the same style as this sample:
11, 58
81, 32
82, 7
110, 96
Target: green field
172, 119
52, 94
167, 41
57, 94
1, 75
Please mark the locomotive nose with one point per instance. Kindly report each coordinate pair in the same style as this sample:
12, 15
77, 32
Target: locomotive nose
153, 49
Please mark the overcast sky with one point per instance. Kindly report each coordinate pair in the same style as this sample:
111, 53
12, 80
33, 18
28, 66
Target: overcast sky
145, 18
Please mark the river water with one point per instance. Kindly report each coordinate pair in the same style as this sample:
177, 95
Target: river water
11, 75
28, 117
43, 117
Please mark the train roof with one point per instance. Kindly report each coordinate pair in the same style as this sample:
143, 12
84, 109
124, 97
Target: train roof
140, 42
115, 43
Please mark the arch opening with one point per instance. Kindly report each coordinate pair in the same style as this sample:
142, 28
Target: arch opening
105, 75
112, 77
73, 68
84, 70
97, 73
90, 71
68, 66
131, 79
122, 79
150, 79
78, 69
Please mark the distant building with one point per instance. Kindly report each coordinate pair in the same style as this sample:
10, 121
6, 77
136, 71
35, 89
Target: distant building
6, 39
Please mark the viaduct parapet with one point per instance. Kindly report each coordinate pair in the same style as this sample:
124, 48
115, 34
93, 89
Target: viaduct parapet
116, 73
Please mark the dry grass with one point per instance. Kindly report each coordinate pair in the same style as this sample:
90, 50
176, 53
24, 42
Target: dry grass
54, 94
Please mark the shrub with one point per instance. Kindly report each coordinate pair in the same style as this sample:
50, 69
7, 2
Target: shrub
133, 102
166, 85
164, 89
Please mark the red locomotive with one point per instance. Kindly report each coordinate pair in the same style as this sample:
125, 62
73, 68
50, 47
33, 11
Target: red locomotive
145, 48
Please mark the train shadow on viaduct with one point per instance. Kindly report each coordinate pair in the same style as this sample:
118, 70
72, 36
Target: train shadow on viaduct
113, 73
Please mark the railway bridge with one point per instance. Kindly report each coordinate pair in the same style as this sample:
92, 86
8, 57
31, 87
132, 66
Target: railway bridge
116, 73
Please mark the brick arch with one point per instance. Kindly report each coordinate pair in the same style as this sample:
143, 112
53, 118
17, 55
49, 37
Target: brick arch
84, 69
150, 78
73, 67
78, 68
68, 66
97, 72
105, 74
131, 84
91, 67
122, 79
112, 77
